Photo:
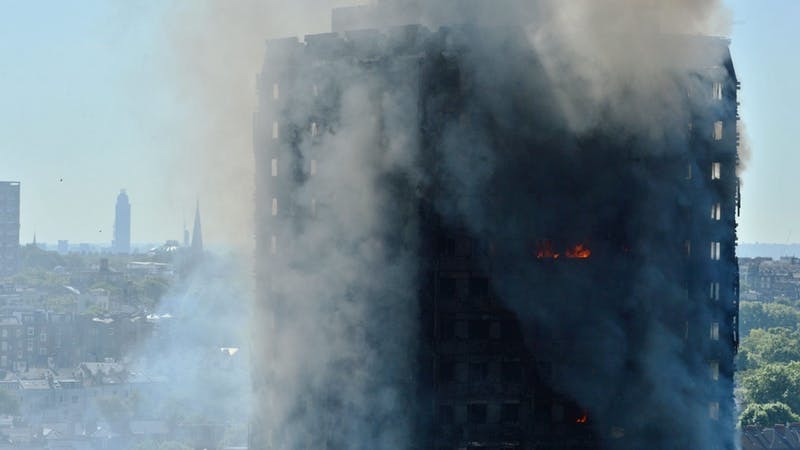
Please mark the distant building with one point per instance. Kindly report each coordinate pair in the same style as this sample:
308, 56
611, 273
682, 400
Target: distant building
765, 279
9, 226
778, 437
36, 339
122, 225
197, 233
63, 247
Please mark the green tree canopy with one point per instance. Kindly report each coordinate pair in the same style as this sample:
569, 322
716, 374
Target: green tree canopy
32, 257
773, 383
767, 315
767, 414
773, 345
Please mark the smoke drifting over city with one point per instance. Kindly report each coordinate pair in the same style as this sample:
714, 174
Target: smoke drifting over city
342, 265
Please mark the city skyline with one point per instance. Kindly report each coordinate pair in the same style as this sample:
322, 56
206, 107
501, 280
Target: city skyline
128, 121
109, 242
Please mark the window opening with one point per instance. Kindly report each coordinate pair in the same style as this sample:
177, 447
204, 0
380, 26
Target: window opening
476, 413
716, 211
713, 410
716, 88
714, 331
714, 291
715, 251
713, 367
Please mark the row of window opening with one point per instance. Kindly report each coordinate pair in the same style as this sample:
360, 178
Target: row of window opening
274, 209
480, 329
716, 171
276, 90
480, 372
480, 413
312, 167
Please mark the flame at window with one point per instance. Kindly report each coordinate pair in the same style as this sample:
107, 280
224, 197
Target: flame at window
545, 251
580, 251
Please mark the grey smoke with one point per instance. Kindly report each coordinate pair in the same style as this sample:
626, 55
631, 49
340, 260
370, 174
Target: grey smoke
198, 318
337, 324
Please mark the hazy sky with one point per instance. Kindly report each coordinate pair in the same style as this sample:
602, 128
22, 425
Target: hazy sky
89, 105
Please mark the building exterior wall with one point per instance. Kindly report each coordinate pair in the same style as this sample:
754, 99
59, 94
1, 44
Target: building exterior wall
9, 226
523, 342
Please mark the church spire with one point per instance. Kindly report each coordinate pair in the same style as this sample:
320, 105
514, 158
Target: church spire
197, 234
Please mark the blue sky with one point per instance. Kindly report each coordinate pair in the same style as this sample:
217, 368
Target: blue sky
86, 108
764, 46
82, 114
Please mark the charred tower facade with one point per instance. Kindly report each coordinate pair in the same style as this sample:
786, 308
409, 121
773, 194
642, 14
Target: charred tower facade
569, 288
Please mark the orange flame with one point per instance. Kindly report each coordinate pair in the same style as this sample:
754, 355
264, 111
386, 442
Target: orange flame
546, 251
582, 419
579, 251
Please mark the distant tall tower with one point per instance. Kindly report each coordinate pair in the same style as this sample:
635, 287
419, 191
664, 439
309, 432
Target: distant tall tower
197, 233
9, 227
122, 224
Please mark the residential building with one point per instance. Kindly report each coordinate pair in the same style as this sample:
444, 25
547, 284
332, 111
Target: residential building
767, 279
9, 226
778, 437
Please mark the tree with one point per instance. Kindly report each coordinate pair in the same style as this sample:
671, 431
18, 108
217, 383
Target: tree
773, 383
767, 414
117, 410
32, 257
773, 345
767, 315
147, 291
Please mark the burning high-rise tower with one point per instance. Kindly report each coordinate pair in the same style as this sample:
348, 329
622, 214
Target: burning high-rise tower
464, 242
